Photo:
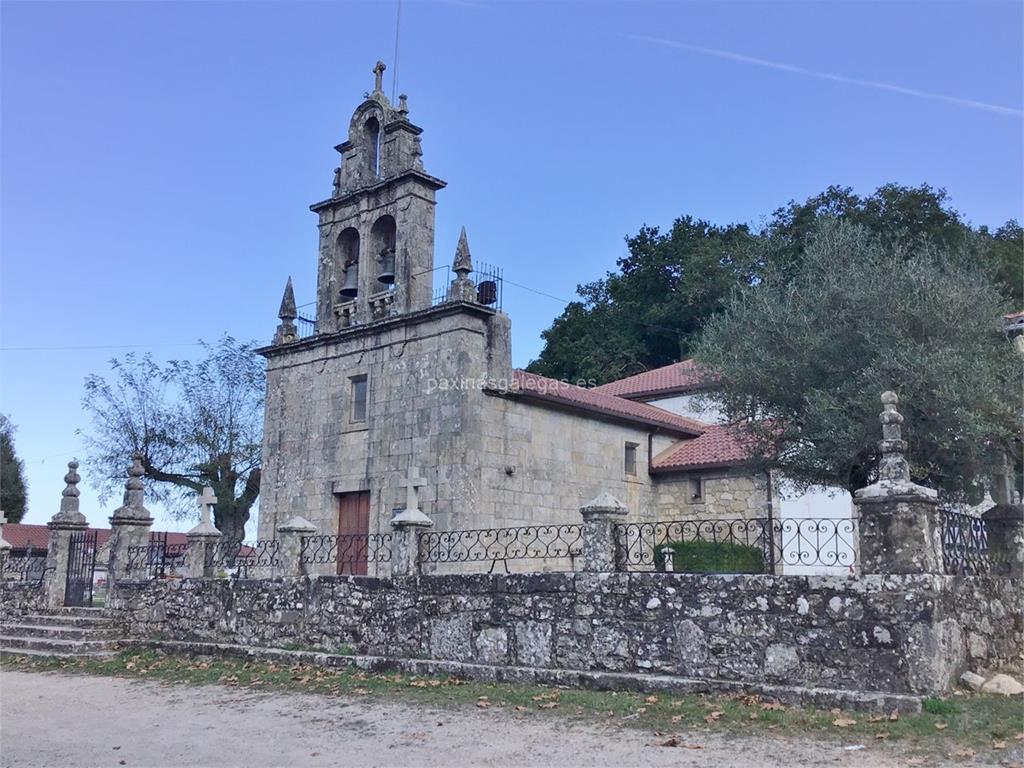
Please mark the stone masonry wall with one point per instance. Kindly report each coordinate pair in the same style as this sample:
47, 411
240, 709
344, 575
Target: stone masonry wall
897, 634
18, 598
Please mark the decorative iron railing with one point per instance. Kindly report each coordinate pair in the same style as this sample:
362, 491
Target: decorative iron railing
306, 327
27, 567
244, 559
488, 280
499, 545
966, 549
349, 553
756, 545
157, 560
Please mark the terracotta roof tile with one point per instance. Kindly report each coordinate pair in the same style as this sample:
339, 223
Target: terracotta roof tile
22, 536
721, 445
557, 392
676, 378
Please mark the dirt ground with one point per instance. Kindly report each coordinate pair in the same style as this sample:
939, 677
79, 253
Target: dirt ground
49, 719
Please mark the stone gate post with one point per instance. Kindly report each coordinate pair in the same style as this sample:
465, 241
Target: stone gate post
202, 539
289, 537
900, 529
599, 545
130, 523
405, 530
5, 547
61, 526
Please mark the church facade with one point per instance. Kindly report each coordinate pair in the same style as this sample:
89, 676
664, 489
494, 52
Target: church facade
398, 378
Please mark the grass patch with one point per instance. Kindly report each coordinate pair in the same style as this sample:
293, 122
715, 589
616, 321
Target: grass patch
975, 722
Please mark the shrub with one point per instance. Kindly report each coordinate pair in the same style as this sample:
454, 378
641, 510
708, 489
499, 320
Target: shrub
711, 557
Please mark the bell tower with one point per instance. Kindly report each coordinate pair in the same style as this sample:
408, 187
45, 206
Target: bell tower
377, 228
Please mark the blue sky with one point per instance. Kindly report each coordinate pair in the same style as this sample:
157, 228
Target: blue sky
158, 159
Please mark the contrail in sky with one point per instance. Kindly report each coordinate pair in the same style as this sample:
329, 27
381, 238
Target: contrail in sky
998, 109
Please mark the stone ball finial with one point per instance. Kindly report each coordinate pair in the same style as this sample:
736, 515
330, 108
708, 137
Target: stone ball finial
71, 480
890, 398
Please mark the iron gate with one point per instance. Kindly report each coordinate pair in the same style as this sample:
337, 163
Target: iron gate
81, 566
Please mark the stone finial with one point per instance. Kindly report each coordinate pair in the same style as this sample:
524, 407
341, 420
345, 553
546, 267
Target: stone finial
411, 514
287, 310
134, 492
463, 264
403, 104
378, 76
286, 330
69, 512
206, 501
893, 468
606, 503
462, 288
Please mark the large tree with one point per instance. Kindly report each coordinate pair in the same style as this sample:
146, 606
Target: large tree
803, 357
195, 423
648, 313
13, 490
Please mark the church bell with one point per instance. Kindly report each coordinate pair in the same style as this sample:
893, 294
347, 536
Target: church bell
350, 288
387, 266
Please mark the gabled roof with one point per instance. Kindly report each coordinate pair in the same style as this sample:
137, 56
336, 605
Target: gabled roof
673, 379
558, 393
721, 445
37, 537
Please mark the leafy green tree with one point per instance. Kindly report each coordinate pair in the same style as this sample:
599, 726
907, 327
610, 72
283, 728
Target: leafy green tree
13, 489
803, 357
649, 312
196, 424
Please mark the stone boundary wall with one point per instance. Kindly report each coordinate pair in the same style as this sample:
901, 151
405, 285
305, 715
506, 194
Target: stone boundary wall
898, 634
19, 598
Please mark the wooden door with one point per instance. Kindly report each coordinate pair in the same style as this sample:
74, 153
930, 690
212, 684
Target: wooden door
353, 532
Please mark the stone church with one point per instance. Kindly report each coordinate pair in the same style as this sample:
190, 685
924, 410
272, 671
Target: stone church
397, 376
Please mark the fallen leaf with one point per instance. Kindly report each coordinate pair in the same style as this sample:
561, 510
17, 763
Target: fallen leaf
360, 691
998, 745
882, 735
754, 716
676, 718
651, 699
548, 705
775, 705
941, 726
876, 718
520, 708
964, 752
894, 715
835, 711
844, 722
483, 704
671, 741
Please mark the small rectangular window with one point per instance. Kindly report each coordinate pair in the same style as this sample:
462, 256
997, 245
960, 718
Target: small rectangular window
630, 459
359, 392
696, 488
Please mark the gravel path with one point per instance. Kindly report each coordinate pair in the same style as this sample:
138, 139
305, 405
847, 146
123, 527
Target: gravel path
50, 719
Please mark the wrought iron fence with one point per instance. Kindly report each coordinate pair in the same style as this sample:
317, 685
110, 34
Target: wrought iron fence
756, 545
27, 567
350, 553
488, 280
243, 559
157, 560
966, 549
306, 327
499, 545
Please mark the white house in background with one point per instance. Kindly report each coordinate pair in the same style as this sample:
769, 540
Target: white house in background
678, 388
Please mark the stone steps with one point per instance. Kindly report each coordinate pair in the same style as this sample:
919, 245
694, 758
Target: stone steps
62, 632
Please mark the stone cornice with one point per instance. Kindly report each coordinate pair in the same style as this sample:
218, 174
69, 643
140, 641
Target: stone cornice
380, 326
430, 181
